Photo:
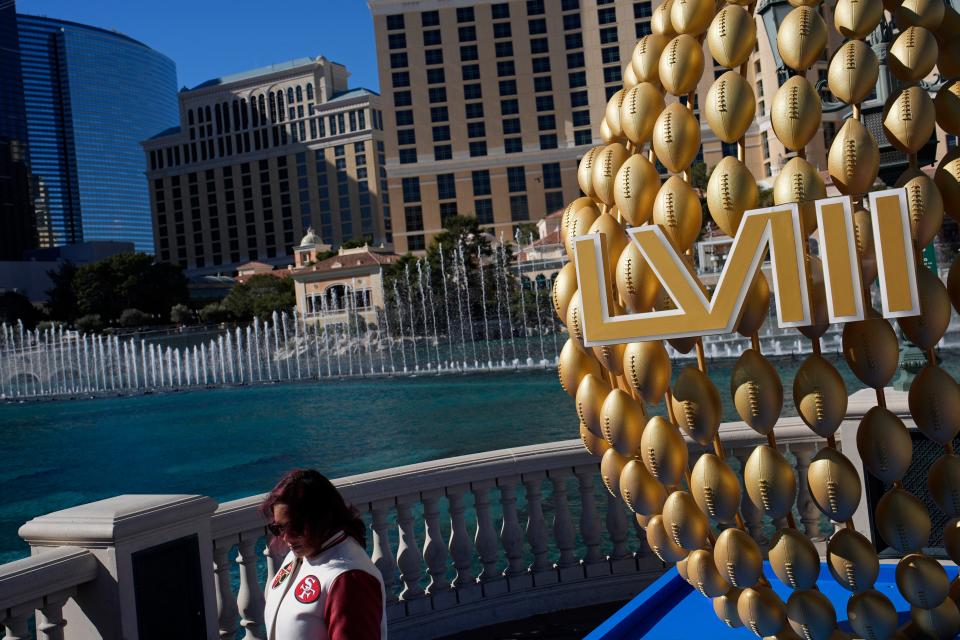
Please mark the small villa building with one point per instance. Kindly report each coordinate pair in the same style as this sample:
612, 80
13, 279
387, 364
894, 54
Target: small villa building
327, 288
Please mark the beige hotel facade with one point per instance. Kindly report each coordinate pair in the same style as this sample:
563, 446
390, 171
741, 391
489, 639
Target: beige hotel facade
262, 156
488, 106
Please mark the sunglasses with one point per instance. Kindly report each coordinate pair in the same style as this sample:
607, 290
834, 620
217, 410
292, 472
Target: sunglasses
279, 529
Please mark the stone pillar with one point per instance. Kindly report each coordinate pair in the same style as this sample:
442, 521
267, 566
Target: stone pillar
130, 535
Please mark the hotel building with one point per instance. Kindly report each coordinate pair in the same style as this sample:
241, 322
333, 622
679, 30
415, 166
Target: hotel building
261, 156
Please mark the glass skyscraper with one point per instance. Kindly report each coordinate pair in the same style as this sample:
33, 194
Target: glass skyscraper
91, 96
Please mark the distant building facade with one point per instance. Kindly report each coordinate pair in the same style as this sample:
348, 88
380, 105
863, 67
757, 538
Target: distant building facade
91, 96
258, 158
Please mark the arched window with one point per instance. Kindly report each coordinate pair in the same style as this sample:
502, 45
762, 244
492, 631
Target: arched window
280, 114
289, 95
206, 114
263, 109
254, 112
299, 93
190, 117
336, 297
273, 107
309, 91
216, 110
236, 114
226, 117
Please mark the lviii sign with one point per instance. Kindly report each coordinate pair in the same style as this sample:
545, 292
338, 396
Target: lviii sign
777, 230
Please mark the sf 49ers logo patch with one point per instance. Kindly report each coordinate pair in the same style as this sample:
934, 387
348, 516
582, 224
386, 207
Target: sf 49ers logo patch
308, 590
281, 576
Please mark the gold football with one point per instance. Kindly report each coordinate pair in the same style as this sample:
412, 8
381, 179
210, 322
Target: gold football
794, 559
935, 404
637, 284
947, 179
924, 204
697, 405
730, 106
570, 210
795, 114
660, 23
757, 391
953, 285
638, 113
611, 465
664, 451
903, 521
834, 484
854, 158
951, 538
646, 57
762, 611
913, 54
943, 481
947, 107
585, 170
716, 488
678, 212
640, 490
676, 137
629, 78
770, 481
738, 558
921, 13
590, 397
573, 364
596, 446
731, 36
855, 19
702, 573
818, 300
922, 580
884, 444
801, 38
942, 621
621, 422
636, 188
800, 182
853, 72
872, 615
691, 16
926, 329
725, 607
564, 286
646, 366
909, 119
686, 525
756, 306
681, 64
657, 539
607, 226
852, 560
731, 190
574, 321
610, 356
820, 395
948, 62
612, 114
579, 225
872, 351
605, 168
810, 614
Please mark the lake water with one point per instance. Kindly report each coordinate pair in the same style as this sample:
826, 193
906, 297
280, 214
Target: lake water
233, 442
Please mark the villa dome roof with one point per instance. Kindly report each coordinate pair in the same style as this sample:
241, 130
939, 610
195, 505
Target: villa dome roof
310, 239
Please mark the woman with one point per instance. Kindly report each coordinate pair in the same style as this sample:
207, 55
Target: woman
327, 587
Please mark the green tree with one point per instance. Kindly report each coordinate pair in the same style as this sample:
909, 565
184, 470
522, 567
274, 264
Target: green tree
16, 306
215, 313
133, 318
181, 314
356, 244
89, 323
61, 299
260, 296
128, 281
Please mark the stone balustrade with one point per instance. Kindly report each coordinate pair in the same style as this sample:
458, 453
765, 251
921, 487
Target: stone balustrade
461, 542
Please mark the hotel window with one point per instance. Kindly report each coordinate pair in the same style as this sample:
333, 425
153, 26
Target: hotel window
499, 11
610, 54
516, 179
476, 130
362, 115
761, 108
431, 38
551, 176
518, 208
442, 152
544, 103
553, 201
506, 68
433, 56
441, 133
469, 53
397, 41
535, 7
400, 99
439, 114
467, 34
465, 14
571, 21
474, 110
766, 170
569, 5
537, 27
581, 118
481, 182
398, 60
470, 72
541, 65
508, 87
509, 107
395, 22
608, 35
607, 16
484, 210
575, 60
511, 125
447, 211
411, 189
408, 156
513, 145
413, 216
542, 83
546, 123
642, 10
437, 94
612, 74
446, 186
582, 137
435, 76
309, 91
478, 149
416, 243
502, 30
642, 29
504, 49
539, 45
401, 79
548, 141
765, 144
472, 92
578, 79
430, 18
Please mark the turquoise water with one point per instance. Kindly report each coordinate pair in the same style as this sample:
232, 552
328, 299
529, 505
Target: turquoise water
233, 442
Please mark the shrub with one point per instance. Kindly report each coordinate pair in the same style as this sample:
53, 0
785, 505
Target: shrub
215, 313
181, 314
90, 323
133, 318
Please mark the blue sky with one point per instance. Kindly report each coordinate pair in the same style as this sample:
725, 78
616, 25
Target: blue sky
210, 38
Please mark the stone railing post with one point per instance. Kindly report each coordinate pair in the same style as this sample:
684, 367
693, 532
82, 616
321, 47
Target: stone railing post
250, 596
227, 612
409, 558
621, 560
486, 541
563, 531
137, 541
382, 554
511, 535
17, 620
50, 621
460, 547
435, 552
593, 563
537, 535
809, 514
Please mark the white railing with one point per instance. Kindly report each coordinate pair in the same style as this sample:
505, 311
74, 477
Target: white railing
40, 586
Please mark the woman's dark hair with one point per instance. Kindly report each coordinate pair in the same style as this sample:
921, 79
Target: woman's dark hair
316, 508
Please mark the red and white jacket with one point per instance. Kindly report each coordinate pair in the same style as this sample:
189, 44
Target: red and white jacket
337, 594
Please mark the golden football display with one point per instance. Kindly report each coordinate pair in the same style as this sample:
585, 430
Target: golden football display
693, 99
